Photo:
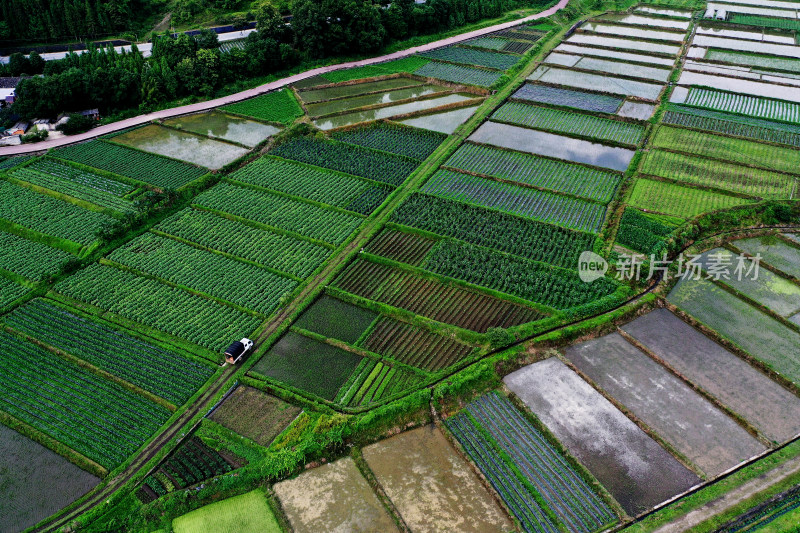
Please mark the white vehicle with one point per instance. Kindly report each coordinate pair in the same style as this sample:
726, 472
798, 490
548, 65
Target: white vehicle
237, 350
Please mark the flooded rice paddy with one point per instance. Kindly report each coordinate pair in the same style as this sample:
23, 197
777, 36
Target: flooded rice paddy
226, 127
557, 146
619, 454
184, 146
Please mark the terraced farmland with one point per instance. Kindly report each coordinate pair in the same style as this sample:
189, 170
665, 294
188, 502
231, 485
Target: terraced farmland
569, 122
539, 172
161, 372
155, 170
530, 203
95, 417
451, 305
506, 446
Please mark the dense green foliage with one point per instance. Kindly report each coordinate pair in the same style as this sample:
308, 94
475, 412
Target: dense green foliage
280, 252
314, 183
49, 215
348, 158
410, 142
93, 416
469, 56
39, 20
728, 124
30, 259
160, 306
720, 174
528, 169
10, 291
278, 106
561, 289
61, 178
570, 122
282, 212
431, 298
642, 233
206, 272
508, 233
744, 104
154, 369
459, 74
735, 150
521, 201
685, 202
148, 168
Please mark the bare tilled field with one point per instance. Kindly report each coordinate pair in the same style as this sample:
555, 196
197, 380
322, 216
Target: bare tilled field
619, 454
432, 487
333, 497
35, 481
764, 404
255, 414
691, 424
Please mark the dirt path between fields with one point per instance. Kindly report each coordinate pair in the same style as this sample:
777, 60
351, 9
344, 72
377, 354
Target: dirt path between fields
732, 498
250, 93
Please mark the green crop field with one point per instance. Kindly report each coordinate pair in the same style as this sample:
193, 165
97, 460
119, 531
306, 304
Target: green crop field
314, 183
556, 288
95, 417
468, 56
570, 122
163, 373
249, 513
728, 149
737, 125
348, 158
410, 142
149, 302
32, 260
744, 104
513, 199
278, 211
205, 272
458, 74
278, 106
685, 202
285, 253
140, 166
507, 233
10, 291
49, 215
528, 169
48, 180
643, 233
720, 175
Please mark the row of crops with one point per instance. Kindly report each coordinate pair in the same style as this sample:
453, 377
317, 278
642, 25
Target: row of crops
192, 463
150, 367
541, 488
722, 143
95, 417
149, 169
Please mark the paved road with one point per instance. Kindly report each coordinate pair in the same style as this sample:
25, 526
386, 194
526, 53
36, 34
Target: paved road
732, 498
250, 93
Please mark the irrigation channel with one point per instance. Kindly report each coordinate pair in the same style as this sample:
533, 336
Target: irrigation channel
268, 87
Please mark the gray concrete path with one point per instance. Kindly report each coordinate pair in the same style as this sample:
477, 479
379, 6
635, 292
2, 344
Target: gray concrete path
250, 93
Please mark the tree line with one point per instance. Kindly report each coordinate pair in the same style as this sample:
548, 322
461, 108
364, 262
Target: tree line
194, 65
45, 20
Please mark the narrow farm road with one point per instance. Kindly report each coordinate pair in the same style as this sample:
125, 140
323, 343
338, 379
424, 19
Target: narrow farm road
732, 498
250, 93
